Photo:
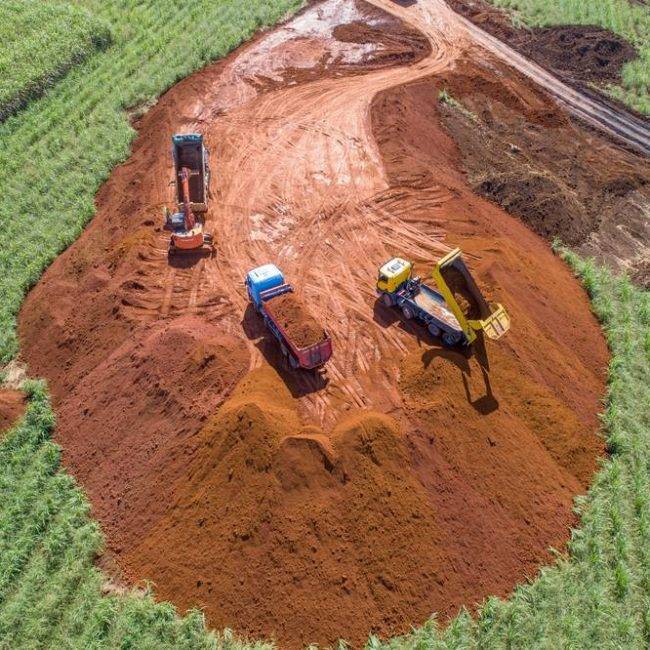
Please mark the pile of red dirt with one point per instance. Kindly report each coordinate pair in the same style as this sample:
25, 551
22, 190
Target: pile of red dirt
301, 327
289, 533
458, 286
12, 407
580, 53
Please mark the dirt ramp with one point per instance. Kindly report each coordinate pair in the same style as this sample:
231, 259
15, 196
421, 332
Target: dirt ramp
279, 531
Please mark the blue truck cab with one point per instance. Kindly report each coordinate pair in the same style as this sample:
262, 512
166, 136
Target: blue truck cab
261, 281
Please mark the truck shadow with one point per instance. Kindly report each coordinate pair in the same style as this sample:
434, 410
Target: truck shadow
484, 404
387, 316
299, 382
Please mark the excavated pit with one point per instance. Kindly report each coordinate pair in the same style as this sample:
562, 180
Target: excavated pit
413, 479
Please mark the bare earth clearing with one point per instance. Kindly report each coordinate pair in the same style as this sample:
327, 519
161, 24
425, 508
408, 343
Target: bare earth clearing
412, 479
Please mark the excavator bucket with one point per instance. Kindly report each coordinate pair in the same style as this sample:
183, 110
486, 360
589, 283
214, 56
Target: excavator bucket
466, 300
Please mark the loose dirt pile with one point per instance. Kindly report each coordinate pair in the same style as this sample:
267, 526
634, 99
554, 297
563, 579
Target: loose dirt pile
578, 53
560, 180
12, 407
301, 327
413, 480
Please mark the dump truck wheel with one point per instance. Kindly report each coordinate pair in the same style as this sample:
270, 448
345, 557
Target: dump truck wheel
408, 314
450, 340
434, 330
387, 299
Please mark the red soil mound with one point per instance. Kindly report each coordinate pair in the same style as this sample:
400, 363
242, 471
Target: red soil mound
301, 327
300, 535
12, 406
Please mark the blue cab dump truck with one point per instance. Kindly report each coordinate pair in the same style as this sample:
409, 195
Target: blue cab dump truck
303, 340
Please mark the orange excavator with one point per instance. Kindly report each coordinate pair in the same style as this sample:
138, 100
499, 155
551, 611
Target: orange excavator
192, 177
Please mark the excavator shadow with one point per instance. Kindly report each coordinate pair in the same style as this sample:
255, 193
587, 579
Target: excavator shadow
188, 259
299, 382
484, 404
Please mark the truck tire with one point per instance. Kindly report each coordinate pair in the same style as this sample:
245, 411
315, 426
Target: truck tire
450, 339
408, 312
434, 330
387, 299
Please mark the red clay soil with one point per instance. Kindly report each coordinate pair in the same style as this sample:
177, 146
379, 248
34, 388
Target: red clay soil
458, 286
301, 327
12, 407
414, 480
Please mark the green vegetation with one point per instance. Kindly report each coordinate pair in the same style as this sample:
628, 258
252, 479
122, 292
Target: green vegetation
55, 154
627, 18
445, 98
41, 41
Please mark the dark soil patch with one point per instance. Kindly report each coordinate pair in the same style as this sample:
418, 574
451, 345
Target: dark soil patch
301, 327
576, 53
538, 165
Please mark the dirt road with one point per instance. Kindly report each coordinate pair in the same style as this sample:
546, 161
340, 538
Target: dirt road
600, 114
410, 479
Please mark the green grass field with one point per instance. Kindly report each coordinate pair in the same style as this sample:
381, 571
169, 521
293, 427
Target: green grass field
628, 18
41, 41
51, 595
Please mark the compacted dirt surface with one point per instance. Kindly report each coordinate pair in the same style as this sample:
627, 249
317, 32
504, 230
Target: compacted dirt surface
407, 479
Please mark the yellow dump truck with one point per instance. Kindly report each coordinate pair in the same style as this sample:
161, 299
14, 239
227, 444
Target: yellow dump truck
455, 311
